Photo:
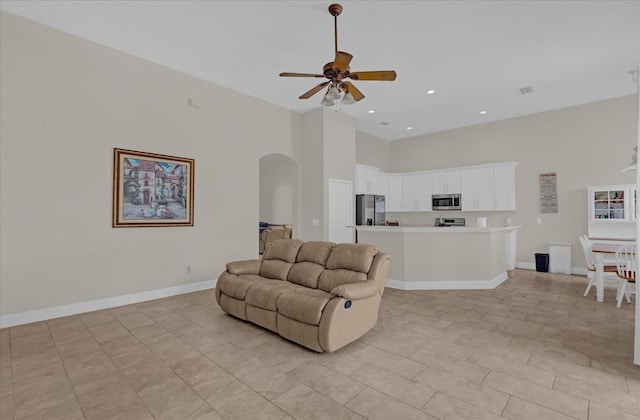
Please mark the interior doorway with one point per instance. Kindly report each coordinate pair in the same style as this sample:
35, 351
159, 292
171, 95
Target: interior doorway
279, 190
340, 211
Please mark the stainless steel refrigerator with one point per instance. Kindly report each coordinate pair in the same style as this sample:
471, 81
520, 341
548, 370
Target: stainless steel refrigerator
370, 210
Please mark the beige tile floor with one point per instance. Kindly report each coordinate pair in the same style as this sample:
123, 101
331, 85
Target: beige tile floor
533, 348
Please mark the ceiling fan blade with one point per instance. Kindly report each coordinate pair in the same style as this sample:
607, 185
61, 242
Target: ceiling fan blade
384, 75
313, 91
357, 95
342, 61
301, 75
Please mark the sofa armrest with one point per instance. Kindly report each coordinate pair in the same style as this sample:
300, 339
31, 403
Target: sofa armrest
244, 267
359, 290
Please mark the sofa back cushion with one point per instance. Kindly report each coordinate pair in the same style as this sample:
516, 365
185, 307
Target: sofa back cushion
315, 252
330, 279
279, 257
348, 263
310, 263
305, 274
355, 257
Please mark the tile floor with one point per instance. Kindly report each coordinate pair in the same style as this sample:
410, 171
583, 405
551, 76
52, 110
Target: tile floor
533, 348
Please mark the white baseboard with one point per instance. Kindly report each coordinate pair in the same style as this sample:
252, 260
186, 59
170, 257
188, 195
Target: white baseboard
526, 265
579, 270
532, 266
27, 317
447, 285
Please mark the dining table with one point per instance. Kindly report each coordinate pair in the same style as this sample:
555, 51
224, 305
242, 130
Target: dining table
601, 251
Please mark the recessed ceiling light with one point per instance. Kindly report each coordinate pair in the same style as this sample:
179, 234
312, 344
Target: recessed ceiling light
409, 128
483, 112
431, 92
371, 111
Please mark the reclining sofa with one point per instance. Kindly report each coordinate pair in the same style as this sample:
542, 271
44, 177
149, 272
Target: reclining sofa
320, 295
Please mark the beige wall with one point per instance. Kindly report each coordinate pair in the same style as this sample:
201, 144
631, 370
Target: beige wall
328, 152
373, 151
279, 190
585, 145
312, 176
65, 104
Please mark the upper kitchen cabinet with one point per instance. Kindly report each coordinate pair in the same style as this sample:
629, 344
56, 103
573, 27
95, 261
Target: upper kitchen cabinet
445, 182
393, 200
489, 187
416, 192
370, 180
504, 184
477, 189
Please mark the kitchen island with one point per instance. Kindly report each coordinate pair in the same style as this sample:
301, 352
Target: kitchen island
451, 257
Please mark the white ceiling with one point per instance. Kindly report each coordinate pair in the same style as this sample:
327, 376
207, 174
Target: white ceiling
475, 54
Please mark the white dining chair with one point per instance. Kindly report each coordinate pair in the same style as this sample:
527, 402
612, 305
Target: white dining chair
626, 271
611, 278
605, 261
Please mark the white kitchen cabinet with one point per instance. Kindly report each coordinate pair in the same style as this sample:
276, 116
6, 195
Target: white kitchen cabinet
416, 192
489, 188
370, 180
504, 184
612, 211
610, 203
445, 182
477, 189
383, 184
393, 199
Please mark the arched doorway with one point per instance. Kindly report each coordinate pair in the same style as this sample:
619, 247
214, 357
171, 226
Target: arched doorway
279, 190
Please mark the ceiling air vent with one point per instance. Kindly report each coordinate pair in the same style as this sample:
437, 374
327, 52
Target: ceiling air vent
384, 123
525, 90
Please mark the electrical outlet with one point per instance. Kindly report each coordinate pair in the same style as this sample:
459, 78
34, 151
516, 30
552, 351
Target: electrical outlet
539, 220
316, 222
189, 270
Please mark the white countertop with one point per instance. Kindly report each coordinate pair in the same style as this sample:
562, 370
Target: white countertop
437, 229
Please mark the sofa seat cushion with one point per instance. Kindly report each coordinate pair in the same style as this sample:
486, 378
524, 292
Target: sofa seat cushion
264, 294
304, 305
237, 286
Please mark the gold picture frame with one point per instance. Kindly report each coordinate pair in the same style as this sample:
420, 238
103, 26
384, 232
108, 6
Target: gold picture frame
152, 190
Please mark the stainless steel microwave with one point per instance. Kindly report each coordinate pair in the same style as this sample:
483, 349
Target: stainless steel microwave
446, 202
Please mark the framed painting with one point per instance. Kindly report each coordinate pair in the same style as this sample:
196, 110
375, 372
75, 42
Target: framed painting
151, 190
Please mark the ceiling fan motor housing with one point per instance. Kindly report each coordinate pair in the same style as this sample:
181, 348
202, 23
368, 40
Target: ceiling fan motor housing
335, 9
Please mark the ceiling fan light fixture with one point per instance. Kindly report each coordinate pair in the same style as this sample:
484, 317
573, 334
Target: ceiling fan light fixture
326, 101
333, 93
348, 99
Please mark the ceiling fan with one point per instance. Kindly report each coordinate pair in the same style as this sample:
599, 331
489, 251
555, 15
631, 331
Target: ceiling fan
338, 70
